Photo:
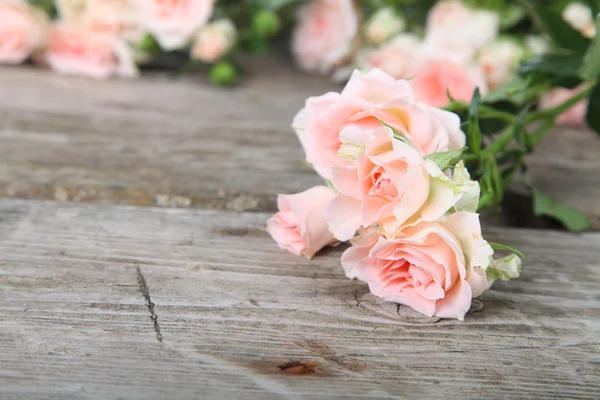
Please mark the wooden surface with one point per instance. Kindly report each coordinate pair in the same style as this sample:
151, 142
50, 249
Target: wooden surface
112, 300
238, 318
181, 143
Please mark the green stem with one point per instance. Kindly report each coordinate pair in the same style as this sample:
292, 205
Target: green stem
486, 112
501, 142
540, 132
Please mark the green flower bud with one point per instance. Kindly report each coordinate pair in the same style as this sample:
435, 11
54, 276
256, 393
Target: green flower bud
149, 45
223, 74
266, 23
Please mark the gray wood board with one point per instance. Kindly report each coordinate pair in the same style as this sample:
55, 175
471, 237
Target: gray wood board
181, 142
232, 316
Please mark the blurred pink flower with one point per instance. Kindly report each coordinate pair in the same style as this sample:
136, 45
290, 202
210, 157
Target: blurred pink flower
458, 30
436, 78
80, 51
22, 31
113, 17
214, 40
574, 116
397, 57
325, 34
173, 23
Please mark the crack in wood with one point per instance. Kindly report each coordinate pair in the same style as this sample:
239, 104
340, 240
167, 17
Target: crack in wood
144, 288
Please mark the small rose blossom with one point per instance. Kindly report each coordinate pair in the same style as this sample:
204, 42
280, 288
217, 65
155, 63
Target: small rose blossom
325, 34
505, 268
536, 45
398, 57
574, 116
453, 25
390, 184
499, 61
118, 18
71, 11
299, 227
436, 78
214, 41
22, 30
79, 51
174, 22
434, 267
384, 24
579, 16
368, 99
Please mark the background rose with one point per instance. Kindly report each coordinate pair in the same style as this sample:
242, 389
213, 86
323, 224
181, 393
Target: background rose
22, 31
114, 17
499, 61
366, 100
214, 40
434, 267
435, 79
453, 25
79, 51
173, 23
325, 34
71, 11
574, 116
299, 227
390, 185
398, 57
385, 23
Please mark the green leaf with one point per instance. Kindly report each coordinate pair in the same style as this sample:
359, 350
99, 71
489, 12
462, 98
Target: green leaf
149, 45
443, 159
557, 65
510, 15
500, 246
330, 185
273, 4
593, 111
491, 167
473, 131
549, 19
590, 69
397, 135
571, 218
518, 91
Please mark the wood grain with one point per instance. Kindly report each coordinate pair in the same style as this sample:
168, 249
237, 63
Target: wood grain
85, 288
181, 142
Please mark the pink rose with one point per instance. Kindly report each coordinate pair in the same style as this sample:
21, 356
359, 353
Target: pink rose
574, 116
79, 51
214, 41
453, 27
71, 11
436, 78
299, 227
366, 99
173, 23
113, 17
325, 34
389, 184
434, 267
396, 57
22, 31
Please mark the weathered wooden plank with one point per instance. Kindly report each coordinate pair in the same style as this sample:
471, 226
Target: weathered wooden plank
238, 317
173, 142
185, 143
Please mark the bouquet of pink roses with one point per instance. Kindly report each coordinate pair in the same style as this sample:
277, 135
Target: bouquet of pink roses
397, 192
